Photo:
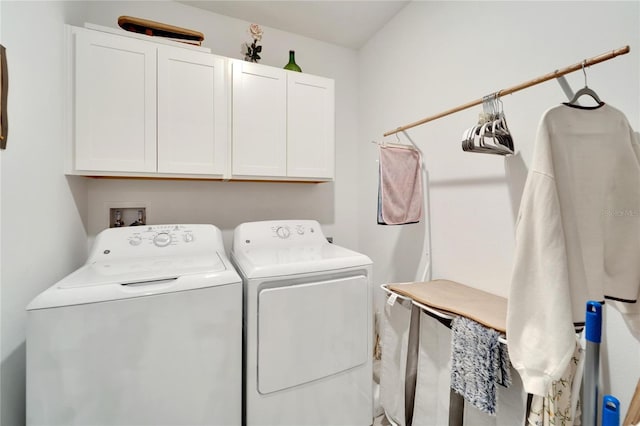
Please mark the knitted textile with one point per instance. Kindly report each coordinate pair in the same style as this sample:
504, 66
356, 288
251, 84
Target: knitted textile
478, 362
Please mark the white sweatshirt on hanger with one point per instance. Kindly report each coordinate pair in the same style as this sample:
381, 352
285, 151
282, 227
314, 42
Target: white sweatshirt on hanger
577, 236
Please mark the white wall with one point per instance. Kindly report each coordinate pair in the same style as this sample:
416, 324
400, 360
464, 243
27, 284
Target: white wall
436, 55
43, 235
227, 204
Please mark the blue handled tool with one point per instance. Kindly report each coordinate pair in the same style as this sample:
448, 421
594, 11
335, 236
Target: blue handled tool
610, 411
593, 335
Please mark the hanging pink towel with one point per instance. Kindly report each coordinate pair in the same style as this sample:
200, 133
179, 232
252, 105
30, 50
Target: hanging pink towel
400, 186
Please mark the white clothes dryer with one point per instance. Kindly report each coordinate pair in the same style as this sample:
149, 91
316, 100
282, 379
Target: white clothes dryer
147, 332
308, 326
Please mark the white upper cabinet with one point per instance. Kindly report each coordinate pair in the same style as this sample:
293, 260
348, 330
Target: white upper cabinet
259, 120
283, 124
192, 119
310, 126
147, 109
115, 103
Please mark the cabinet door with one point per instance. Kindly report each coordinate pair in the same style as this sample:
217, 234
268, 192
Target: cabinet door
192, 112
259, 120
310, 126
115, 103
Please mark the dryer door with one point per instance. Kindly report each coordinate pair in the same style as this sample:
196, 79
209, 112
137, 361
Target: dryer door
310, 331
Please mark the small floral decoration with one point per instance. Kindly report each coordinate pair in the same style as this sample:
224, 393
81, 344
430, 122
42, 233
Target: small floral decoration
252, 53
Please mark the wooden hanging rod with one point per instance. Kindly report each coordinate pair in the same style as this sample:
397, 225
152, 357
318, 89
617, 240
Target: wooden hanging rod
555, 74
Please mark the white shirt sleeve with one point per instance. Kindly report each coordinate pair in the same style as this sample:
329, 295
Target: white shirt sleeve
631, 311
540, 332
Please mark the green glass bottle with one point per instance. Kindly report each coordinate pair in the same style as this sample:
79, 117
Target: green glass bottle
292, 66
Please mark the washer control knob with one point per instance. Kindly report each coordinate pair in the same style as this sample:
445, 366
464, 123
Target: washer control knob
188, 237
135, 241
163, 239
283, 232
300, 230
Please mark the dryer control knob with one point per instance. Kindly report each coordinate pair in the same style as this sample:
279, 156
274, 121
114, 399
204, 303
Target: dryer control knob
188, 237
163, 239
283, 232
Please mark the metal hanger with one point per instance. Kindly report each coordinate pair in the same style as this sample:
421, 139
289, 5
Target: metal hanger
397, 144
491, 134
585, 91
501, 129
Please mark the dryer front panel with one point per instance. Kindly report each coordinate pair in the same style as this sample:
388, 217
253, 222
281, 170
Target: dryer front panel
310, 331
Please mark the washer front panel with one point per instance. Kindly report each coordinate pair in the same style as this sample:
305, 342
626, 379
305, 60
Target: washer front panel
169, 359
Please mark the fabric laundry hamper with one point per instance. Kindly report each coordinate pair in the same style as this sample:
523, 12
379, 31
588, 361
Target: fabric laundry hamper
510, 410
512, 404
433, 380
431, 404
399, 358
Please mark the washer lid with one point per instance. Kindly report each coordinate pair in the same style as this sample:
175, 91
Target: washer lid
141, 270
269, 261
103, 282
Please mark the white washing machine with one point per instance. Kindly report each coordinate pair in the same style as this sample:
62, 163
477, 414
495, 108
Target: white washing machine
308, 326
147, 332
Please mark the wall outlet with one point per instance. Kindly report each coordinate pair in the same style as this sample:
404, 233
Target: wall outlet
127, 216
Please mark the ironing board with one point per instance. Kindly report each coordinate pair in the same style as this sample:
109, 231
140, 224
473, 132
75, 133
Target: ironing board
458, 299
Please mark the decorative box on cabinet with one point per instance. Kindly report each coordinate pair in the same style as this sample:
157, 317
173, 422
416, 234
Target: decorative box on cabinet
283, 124
142, 108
